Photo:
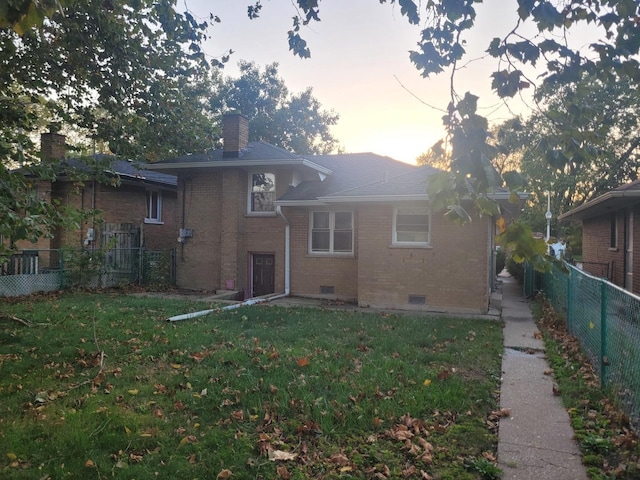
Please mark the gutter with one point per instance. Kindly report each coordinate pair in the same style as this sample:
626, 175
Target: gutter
254, 301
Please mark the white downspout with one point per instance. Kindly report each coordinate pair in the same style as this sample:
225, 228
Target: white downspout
253, 301
287, 252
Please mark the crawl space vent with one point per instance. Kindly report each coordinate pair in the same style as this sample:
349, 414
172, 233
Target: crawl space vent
327, 290
417, 299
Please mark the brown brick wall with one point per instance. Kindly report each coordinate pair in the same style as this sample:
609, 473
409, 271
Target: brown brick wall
597, 250
224, 235
452, 274
310, 272
198, 263
596, 247
123, 204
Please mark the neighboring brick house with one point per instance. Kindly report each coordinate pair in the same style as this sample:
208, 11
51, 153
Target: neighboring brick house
610, 223
142, 204
354, 227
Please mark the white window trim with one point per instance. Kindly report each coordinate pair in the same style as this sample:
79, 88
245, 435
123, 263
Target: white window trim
394, 232
250, 192
148, 197
332, 221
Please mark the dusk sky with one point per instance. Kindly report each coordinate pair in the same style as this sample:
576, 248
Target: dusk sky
358, 50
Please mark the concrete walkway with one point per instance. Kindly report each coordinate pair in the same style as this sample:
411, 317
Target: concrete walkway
536, 440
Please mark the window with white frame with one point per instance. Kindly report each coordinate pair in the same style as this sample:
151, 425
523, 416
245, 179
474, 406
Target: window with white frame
331, 232
154, 206
411, 226
262, 193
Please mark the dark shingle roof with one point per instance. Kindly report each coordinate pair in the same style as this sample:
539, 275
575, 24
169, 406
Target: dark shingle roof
254, 151
128, 169
413, 182
349, 172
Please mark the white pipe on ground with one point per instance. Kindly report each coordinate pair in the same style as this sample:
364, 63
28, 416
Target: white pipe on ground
247, 303
253, 301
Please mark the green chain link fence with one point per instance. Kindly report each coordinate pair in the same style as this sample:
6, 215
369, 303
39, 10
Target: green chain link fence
606, 321
30, 271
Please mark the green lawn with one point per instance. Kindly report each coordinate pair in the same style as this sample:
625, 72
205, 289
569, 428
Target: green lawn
103, 387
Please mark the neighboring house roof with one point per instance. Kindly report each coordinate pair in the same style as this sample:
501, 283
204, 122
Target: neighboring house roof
623, 196
127, 170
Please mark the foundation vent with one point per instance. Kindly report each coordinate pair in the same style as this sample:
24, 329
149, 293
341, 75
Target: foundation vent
327, 290
417, 300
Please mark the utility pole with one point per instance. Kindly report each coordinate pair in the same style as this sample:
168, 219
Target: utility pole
548, 215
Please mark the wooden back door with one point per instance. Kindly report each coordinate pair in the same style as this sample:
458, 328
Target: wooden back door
263, 274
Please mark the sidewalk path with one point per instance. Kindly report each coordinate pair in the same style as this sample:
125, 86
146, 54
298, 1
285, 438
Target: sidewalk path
536, 441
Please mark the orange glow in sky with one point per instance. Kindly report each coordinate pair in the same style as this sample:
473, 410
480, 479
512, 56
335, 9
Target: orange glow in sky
359, 56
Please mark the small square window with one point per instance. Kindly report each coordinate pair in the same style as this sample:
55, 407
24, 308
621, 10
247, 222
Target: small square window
411, 226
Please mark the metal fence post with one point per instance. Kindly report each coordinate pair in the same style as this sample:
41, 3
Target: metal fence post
603, 333
569, 301
61, 265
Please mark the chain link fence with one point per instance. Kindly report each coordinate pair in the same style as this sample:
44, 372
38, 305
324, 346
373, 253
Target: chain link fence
606, 321
30, 271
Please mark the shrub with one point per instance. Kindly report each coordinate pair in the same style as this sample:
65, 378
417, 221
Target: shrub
501, 260
515, 269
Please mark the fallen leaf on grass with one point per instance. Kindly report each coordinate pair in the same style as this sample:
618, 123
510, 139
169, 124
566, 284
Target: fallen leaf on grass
226, 473
189, 439
238, 415
303, 362
89, 464
339, 459
281, 455
283, 473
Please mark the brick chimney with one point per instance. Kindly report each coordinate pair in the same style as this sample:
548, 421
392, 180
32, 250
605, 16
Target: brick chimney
52, 146
235, 134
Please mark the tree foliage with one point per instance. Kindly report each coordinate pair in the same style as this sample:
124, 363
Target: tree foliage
584, 141
130, 73
611, 57
295, 122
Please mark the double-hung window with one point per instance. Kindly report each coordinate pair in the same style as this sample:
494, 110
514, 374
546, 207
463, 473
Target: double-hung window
331, 233
262, 193
412, 226
154, 207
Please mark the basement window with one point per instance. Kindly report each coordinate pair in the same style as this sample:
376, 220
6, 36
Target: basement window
326, 290
417, 300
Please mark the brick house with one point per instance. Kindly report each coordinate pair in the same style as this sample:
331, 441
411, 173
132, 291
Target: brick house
608, 233
353, 227
142, 204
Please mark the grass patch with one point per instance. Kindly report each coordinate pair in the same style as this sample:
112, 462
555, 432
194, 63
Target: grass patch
610, 449
108, 388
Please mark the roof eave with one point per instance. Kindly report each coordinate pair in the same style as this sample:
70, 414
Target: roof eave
422, 197
590, 209
283, 162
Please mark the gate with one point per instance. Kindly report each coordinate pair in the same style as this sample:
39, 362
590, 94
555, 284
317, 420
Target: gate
122, 242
